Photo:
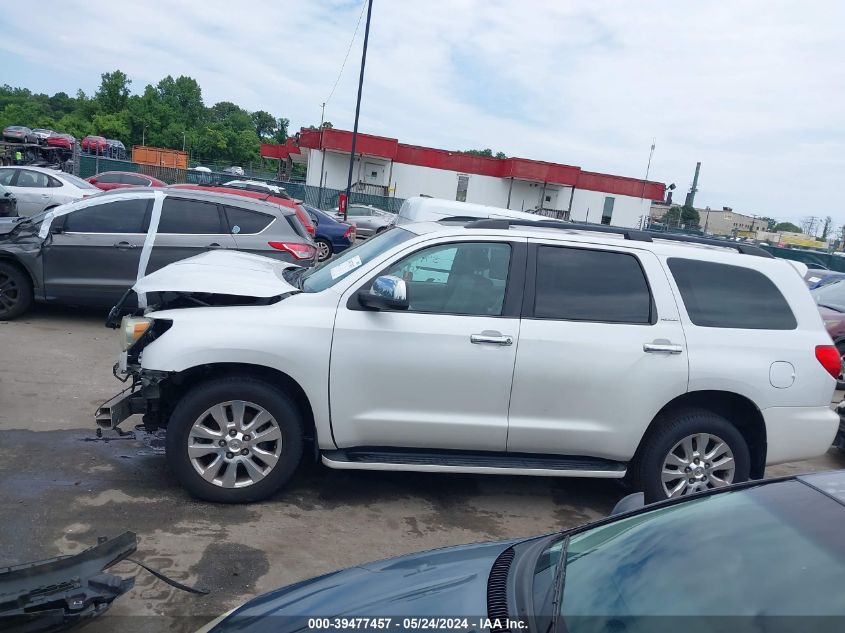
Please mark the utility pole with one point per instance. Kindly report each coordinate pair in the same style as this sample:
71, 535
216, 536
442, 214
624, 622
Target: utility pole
358, 104
648, 168
322, 156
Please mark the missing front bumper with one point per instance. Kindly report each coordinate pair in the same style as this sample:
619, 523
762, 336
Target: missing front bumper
111, 413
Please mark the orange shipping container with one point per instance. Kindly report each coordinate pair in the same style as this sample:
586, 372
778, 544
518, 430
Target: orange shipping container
160, 156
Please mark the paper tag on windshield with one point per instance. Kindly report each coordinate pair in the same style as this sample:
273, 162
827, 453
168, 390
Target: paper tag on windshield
341, 269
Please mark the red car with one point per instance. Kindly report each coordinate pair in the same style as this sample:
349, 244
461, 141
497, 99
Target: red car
61, 140
831, 301
303, 217
96, 144
123, 179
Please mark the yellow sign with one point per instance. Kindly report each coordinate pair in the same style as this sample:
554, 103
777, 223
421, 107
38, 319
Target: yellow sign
802, 241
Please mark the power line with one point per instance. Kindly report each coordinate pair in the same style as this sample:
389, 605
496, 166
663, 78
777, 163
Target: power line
348, 50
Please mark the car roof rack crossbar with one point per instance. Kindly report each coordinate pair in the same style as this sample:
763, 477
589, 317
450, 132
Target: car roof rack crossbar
629, 234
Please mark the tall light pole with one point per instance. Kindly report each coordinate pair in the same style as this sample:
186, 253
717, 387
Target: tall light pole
322, 155
358, 104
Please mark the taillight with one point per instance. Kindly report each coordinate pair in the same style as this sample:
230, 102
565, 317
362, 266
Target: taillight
299, 251
349, 233
829, 357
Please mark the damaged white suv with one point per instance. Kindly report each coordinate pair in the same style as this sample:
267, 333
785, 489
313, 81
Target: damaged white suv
494, 346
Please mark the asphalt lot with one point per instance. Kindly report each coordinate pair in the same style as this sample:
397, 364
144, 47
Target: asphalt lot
60, 492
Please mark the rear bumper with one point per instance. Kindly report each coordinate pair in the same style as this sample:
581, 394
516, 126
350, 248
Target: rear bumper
794, 433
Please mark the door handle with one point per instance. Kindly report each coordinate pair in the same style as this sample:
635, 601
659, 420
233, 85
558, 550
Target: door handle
662, 348
492, 338
123, 246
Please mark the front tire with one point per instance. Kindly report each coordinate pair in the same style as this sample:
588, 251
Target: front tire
236, 439
324, 249
16, 294
690, 450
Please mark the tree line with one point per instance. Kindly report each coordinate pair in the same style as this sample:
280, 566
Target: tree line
170, 114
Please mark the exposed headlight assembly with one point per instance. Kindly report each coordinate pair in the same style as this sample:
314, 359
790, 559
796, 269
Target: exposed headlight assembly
132, 328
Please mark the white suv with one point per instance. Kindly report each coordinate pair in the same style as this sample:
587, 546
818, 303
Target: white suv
495, 346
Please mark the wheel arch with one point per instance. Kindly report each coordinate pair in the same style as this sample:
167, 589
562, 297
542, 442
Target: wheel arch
735, 408
179, 382
11, 258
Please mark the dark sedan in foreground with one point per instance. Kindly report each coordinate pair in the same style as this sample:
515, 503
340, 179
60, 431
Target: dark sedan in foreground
759, 556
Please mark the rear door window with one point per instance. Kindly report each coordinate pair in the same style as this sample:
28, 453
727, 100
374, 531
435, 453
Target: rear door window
189, 217
35, 179
245, 222
725, 296
120, 216
576, 284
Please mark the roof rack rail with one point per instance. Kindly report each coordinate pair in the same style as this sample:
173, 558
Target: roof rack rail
630, 234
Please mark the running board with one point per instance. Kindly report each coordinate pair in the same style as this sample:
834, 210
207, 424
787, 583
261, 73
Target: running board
481, 463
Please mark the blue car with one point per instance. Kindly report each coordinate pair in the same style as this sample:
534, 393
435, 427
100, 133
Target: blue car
774, 547
332, 236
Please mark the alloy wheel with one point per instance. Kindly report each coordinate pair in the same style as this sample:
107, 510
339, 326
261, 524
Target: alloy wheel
323, 251
10, 293
234, 444
698, 462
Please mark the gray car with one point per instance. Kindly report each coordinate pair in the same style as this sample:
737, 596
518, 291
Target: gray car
368, 220
88, 252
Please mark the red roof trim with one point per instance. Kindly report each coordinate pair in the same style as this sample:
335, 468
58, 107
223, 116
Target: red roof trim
519, 168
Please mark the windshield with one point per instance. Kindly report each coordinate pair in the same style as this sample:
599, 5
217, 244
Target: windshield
772, 550
78, 182
831, 295
330, 272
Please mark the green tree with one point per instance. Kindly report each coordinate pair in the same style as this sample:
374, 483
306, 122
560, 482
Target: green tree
787, 227
265, 123
281, 134
113, 93
686, 217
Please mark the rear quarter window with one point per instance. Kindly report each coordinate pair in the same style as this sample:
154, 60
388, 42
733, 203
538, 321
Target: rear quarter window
725, 296
244, 222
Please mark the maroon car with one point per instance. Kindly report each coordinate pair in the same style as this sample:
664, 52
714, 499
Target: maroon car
123, 179
66, 141
831, 301
95, 144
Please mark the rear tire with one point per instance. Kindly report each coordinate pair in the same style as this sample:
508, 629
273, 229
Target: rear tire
235, 411
705, 449
324, 249
16, 294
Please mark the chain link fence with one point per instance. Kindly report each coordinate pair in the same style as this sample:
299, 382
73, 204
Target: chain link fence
322, 198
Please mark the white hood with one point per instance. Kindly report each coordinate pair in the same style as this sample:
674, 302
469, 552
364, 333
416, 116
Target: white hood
221, 272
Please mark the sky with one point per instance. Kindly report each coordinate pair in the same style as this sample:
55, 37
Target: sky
755, 90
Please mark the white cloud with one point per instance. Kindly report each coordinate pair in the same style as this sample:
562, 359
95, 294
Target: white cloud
753, 89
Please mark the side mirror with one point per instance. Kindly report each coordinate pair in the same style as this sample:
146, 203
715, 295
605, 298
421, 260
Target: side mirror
633, 501
57, 226
93, 181
387, 292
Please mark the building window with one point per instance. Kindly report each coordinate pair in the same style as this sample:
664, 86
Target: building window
607, 211
463, 185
